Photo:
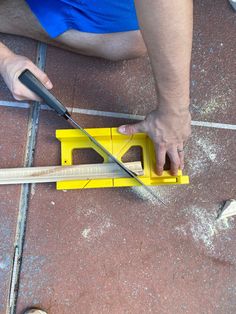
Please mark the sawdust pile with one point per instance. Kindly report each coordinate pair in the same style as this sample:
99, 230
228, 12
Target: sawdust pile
162, 193
204, 227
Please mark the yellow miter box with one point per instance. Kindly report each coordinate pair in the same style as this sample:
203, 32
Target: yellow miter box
117, 144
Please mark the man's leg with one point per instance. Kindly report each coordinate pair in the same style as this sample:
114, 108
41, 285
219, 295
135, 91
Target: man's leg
114, 46
16, 18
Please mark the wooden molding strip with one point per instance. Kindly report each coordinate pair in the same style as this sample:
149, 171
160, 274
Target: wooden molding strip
66, 173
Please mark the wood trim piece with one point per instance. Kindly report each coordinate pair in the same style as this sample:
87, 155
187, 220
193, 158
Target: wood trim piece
66, 173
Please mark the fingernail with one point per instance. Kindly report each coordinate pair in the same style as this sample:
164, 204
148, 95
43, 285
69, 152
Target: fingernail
49, 84
122, 129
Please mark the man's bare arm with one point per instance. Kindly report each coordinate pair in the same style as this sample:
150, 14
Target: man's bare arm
166, 27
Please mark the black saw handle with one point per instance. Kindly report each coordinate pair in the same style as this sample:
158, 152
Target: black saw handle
29, 80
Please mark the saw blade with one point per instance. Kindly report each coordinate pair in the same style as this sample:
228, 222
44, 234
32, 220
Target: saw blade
113, 158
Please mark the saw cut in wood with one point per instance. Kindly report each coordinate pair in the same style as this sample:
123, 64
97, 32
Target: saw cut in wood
62, 173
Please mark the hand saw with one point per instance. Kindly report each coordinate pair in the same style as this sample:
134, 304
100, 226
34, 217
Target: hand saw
30, 81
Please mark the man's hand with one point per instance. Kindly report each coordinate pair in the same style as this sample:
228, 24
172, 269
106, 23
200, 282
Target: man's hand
11, 66
168, 133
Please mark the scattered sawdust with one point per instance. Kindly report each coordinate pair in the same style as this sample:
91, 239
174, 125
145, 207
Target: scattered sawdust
219, 102
87, 211
203, 152
103, 227
33, 188
99, 223
85, 233
144, 195
208, 148
204, 227
161, 192
4, 263
98, 229
215, 103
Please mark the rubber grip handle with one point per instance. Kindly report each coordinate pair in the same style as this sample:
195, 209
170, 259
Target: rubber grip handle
29, 80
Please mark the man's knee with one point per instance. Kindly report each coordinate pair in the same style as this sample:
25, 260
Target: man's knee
129, 45
115, 47
126, 53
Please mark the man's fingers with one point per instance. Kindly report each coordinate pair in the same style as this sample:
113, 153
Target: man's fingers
21, 92
180, 151
174, 161
132, 128
42, 76
160, 159
181, 158
176, 156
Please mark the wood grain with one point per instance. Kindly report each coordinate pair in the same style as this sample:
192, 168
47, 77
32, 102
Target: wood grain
66, 173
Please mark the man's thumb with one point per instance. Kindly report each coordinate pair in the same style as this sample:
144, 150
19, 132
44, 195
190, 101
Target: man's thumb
131, 128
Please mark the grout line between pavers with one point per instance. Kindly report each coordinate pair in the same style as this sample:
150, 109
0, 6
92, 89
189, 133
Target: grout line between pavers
25, 191
215, 125
207, 124
139, 117
14, 104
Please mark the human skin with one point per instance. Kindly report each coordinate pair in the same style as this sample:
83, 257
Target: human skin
11, 66
166, 28
167, 31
